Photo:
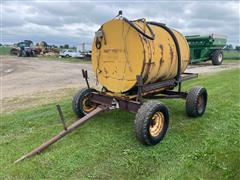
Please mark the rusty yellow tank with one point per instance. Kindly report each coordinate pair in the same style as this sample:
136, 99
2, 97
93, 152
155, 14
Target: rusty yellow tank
123, 49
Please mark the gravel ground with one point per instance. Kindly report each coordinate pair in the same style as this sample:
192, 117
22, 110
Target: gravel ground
26, 76
207, 67
22, 76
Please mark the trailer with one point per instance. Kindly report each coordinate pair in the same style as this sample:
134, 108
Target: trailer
152, 117
132, 81
206, 48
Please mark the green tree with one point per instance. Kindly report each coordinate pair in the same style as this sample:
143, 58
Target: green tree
66, 46
237, 48
229, 47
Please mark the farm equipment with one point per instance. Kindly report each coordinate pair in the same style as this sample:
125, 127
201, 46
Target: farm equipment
23, 49
27, 49
205, 48
42, 48
135, 61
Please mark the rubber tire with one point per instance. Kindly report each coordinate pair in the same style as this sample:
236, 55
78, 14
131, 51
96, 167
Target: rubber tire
19, 54
24, 54
191, 101
33, 54
67, 56
13, 52
142, 122
215, 57
77, 98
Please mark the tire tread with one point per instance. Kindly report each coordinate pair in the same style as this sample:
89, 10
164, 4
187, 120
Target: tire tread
77, 98
191, 101
215, 57
143, 115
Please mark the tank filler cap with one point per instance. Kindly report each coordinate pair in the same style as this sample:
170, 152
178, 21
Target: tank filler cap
120, 13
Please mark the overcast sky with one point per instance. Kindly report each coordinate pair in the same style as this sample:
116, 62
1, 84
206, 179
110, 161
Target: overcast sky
74, 22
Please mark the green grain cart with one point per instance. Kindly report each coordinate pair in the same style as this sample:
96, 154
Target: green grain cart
205, 48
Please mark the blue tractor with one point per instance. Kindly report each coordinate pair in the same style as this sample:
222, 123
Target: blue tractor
24, 49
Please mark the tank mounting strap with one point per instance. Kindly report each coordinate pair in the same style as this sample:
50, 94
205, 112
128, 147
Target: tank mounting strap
176, 44
131, 23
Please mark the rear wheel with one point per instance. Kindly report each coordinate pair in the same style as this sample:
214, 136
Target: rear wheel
196, 102
24, 54
151, 123
33, 54
81, 103
217, 57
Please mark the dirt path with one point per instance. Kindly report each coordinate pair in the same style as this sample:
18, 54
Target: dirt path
23, 76
26, 76
207, 67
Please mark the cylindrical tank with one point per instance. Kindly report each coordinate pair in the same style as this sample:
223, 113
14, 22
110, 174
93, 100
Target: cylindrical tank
123, 49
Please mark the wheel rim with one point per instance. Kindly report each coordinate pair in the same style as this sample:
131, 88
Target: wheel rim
200, 104
220, 57
156, 124
87, 105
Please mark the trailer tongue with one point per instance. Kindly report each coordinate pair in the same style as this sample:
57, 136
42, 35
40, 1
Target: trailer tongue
63, 133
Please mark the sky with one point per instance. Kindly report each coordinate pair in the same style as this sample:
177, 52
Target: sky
74, 22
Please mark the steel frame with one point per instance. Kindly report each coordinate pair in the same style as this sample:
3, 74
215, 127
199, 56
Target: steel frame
159, 90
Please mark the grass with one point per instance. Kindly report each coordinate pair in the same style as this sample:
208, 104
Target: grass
5, 50
231, 55
106, 148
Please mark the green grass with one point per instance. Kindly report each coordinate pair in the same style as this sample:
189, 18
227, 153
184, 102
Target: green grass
231, 55
106, 148
5, 50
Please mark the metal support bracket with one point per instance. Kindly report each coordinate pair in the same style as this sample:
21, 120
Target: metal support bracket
61, 116
180, 86
85, 76
140, 86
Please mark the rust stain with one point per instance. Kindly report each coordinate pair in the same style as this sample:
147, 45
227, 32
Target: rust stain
161, 47
106, 72
144, 60
171, 53
149, 63
161, 61
112, 50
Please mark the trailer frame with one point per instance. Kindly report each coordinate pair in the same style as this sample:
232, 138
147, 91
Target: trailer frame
131, 103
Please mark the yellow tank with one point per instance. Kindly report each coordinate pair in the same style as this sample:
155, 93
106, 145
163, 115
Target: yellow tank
123, 49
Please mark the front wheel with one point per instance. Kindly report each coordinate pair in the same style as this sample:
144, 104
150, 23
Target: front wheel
196, 102
81, 104
19, 53
151, 123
